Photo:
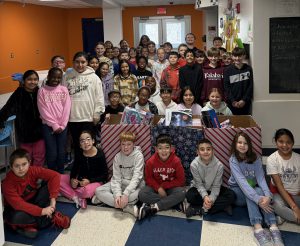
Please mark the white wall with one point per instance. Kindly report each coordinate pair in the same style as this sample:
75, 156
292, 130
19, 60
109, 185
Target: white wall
112, 24
245, 16
272, 111
210, 19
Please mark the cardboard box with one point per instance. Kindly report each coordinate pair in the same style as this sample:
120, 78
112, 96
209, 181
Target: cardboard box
222, 138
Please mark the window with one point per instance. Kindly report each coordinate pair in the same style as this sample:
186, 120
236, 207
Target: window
162, 29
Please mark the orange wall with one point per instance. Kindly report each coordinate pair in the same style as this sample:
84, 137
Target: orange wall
34, 34
196, 19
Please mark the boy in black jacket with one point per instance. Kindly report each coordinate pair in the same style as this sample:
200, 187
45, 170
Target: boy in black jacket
238, 83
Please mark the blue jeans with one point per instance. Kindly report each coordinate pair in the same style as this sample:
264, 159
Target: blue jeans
254, 211
55, 148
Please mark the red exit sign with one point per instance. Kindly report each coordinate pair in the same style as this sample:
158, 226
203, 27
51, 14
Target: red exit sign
161, 11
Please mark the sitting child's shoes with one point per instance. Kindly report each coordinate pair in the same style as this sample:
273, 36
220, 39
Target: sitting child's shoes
82, 203
29, 231
60, 220
276, 237
263, 238
146, 211
192, 211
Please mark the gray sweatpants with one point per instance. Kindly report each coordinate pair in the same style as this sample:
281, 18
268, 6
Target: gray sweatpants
105, 194
174, 196
282, 209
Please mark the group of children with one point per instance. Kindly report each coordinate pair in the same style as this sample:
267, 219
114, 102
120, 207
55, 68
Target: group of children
95, 87
145, 189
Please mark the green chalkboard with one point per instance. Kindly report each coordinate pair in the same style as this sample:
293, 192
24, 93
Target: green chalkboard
284, 55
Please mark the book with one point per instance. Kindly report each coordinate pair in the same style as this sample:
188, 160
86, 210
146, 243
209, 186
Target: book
179, 117
131, 116
210, 119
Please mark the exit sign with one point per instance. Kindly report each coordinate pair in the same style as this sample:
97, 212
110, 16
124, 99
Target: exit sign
161, 11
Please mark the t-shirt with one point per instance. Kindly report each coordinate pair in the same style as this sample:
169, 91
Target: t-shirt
288, 171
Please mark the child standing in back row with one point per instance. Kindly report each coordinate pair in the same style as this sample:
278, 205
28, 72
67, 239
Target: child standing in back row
249, 185
23, 104
54, 104
238, 83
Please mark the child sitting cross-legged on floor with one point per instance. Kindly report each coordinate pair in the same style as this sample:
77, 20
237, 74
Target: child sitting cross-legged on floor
207, 195
88, 173
29, 205
164, 176
128, 167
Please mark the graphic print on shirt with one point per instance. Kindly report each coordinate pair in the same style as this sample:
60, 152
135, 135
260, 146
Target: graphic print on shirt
164, 173
289, 175
239, 77
76, 86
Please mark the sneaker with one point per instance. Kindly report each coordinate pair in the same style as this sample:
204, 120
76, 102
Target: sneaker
192, 211
95, 200
181, 207
263, 238
136, 209
29, 231
60, 220
279, 220
146, 211
82, 203
276, 237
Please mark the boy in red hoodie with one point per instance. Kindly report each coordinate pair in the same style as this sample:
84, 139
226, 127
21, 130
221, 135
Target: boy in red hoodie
28, 205
165, 180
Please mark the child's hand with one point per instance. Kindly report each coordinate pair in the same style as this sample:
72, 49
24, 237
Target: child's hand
162, 192
74, 183
235, 104
296, 211
124, 201
84, 182
264, 203
207, 202
96, 120
57, 131
241, 103
53, 203
118, 202
48, 211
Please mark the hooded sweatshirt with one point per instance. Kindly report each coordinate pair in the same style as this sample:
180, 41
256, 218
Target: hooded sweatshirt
86, 94
166, 174
212, 78
207, 177
28, 123
17, 191
222, 110
128, 172
54, 104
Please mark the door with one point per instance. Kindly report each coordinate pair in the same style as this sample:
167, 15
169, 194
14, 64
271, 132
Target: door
162, 29
92, 33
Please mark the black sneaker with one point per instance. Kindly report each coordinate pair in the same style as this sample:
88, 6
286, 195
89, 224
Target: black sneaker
146, 211
180, 207
136, 209
192, 211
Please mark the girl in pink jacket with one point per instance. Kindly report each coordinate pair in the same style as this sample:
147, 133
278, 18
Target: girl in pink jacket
54, 105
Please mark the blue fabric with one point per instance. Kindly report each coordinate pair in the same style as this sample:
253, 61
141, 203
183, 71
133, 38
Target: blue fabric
165, 231
185, 142
46, 236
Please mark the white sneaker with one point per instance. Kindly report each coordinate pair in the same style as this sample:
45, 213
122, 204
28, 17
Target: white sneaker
95, 200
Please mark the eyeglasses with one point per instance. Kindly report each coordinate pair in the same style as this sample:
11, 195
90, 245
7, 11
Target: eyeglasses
85, 140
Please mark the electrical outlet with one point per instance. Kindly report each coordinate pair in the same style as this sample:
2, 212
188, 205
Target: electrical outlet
12, 55
37, 52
